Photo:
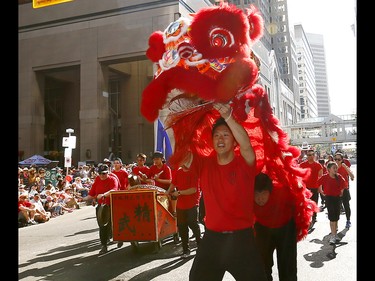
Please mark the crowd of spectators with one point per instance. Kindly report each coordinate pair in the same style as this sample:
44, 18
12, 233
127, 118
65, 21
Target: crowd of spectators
40, 200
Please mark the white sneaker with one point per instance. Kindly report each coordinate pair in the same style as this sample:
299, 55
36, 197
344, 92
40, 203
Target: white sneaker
332, 239
337, 238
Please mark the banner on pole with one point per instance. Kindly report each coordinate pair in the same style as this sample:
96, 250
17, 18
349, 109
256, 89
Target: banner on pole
162, 141
68, 162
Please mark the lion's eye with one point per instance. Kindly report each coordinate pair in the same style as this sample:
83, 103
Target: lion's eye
221, 38
173, 28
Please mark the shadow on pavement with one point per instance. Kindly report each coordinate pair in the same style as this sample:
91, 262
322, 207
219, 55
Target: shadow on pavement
81, 261
327, 251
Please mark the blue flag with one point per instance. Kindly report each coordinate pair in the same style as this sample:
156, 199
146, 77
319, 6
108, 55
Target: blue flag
163, 144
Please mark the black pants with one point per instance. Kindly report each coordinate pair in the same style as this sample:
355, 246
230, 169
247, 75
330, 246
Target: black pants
235, 252
322, 199
284, 241
333, 204
188, 219
105, 231
345, 202
202, 210
314, 197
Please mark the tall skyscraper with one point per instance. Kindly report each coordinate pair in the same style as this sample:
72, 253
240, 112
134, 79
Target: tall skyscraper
306, 74
316, 42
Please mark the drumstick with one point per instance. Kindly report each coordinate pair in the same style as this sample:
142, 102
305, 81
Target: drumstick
158, 174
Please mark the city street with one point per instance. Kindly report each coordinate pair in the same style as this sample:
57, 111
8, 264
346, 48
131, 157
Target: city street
67, 247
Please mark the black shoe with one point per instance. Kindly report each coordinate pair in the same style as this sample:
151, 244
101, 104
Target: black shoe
185, 254
103, 250
119, 244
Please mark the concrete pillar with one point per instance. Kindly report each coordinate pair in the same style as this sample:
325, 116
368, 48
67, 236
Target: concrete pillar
31, 114
93, 115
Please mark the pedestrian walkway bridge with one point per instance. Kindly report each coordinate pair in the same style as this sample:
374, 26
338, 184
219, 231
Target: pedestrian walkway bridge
324, 130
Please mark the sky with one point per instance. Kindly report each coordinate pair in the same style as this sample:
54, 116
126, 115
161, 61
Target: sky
332, 19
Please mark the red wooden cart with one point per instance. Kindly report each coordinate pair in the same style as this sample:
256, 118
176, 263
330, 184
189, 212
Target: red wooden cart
141, 214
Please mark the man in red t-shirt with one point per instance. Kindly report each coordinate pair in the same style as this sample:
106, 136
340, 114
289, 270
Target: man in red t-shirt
275, 227
160, 173
316, 171
100, 190
121, 174
26, 209
227, 181
344, 170
332, 185
141, 170
185, 187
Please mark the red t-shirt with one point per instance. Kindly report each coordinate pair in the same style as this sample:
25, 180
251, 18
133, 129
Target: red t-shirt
341, 170
278, 210
315, 167
228, 192
123, 178
166, 175
101, 186
332, 186
184, 180
24, 203
137, 170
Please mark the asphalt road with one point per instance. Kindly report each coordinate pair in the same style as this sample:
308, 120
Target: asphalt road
66, 248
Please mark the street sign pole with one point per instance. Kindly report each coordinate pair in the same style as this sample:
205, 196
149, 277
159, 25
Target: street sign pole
69, 143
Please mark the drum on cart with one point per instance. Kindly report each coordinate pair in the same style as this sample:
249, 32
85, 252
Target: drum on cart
141, 214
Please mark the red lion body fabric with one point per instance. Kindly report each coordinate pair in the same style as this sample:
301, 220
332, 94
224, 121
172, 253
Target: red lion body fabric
208, 59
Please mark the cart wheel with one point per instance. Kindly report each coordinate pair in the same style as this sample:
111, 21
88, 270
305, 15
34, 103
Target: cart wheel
157, 246
176, 238
134, 245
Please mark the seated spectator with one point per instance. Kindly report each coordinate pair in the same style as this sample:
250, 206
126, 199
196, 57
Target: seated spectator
32, 178
42, 179
81, 189
26, 210
69, 200
60, 183
49, 187
20, 171
41, 215
85, 172
33, 190
21, 189
44, 194
60, 199
24, 177
55, 204
52, 207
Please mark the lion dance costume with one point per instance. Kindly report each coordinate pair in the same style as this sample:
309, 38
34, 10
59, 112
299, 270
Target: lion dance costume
209, 59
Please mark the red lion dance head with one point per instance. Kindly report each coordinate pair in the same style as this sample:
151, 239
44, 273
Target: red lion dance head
209, 59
